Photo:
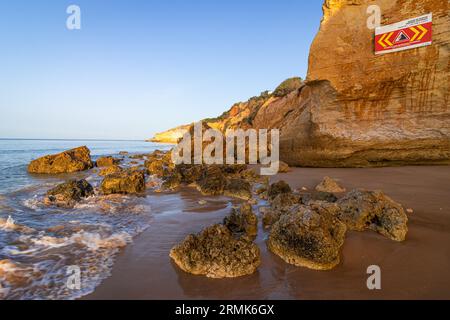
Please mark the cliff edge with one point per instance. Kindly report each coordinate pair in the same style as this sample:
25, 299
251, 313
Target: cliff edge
357, 109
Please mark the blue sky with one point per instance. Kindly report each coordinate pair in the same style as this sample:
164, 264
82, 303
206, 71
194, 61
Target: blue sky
140, 67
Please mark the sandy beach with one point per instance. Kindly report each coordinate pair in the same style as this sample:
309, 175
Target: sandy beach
415, 269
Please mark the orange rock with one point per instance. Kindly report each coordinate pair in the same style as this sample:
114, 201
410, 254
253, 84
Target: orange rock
73, 160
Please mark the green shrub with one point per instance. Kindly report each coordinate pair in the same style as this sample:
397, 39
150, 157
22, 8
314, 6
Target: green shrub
288, 86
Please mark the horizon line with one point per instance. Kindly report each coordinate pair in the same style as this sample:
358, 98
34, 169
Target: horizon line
77, 139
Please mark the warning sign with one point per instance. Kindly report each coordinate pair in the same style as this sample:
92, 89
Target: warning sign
408, 34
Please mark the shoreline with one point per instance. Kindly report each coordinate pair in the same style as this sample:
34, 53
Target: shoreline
415, 269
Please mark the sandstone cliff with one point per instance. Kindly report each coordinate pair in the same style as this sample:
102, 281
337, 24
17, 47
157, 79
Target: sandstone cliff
359, 109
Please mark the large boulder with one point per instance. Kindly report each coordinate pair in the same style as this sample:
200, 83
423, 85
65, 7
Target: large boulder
126, 182
361, 210
307, 238
216, 253
69, 193
73, 160
361, 109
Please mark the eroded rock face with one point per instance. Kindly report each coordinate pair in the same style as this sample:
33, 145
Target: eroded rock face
307, 238
68, 194
361, 210
126, 182
106, 161
216, 253
359, 109
329, 185
73, 160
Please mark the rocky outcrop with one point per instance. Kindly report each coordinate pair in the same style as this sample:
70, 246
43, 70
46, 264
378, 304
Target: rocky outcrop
361, 210
68, 194
170, 136
329, 185
216, 253
127, 182
307, 238
74, 160
357, 109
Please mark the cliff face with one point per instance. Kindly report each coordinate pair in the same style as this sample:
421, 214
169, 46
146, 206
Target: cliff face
359, 109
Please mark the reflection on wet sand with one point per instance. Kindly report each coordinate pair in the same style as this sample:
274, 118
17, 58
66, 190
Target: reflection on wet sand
416, 268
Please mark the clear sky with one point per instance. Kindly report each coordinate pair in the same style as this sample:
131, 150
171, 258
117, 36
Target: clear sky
138, 67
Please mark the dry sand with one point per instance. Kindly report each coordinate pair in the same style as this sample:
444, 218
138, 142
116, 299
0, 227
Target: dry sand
419, 268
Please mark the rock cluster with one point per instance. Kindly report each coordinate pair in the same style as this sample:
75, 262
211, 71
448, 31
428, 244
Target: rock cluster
358, 109
74, 160
309, 229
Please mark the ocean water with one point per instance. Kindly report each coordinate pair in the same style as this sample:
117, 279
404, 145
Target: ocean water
41, 245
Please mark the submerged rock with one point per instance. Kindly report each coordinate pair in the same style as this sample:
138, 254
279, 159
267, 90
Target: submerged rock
107, 161
329, 185
243, 221
361, 210
127, 182
216, 253
73, 160
110, 170
306, 238
69, 193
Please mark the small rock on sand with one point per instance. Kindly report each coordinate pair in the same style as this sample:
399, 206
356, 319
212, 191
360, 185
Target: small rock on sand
329, 185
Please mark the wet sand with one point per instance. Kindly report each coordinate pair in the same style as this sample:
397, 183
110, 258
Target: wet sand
419, 268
